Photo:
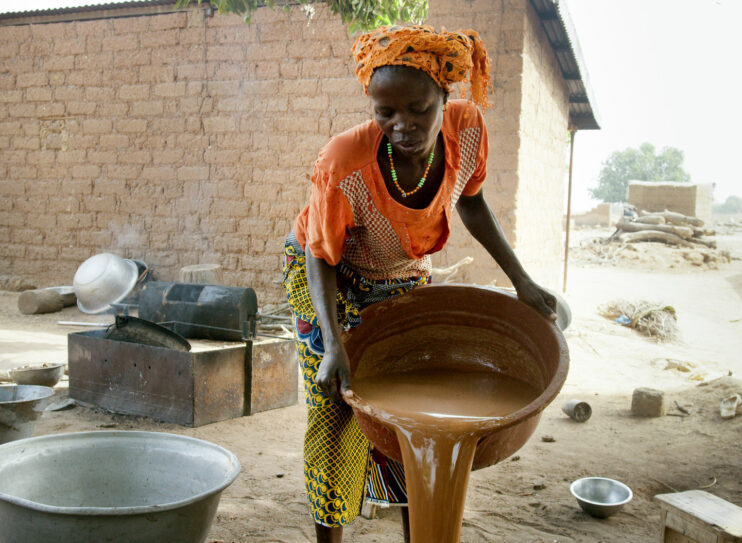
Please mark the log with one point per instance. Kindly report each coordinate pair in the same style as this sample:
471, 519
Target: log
44, 300
654, 235
673, 218
201, 274
651, 219
684, 232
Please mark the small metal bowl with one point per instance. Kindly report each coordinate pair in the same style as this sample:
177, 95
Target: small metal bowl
102, 280
45, 375
600, 497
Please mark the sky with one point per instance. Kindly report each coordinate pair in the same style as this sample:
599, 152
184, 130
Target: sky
667, 72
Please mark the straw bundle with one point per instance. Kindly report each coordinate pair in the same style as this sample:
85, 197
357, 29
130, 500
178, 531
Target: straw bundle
651, 319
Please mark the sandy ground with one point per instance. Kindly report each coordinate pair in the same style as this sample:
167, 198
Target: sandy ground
525, 498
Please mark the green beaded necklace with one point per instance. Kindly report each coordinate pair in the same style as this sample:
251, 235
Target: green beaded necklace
394, 172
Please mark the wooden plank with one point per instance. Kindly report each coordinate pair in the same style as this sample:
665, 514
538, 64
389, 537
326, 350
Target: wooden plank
709, 509
683, 528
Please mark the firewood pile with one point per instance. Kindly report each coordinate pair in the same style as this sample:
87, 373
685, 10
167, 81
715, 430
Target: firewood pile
666, 227
658, 240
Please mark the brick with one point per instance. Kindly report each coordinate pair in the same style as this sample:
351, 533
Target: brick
85, 171
12, 96
167, 156
59, 62
154, 74
158, 38
18, 65
170, 20
114, 141
97, 126
219, 124
94, 61
136, 157
263, 51
22, 110
147, 108
10, 127
189, 72
42, 157
120, 42
98, 27
648, 402
80, 108
328, 67
84, 78
33, 79
223, 88
100, 202
158, 173
169, 90
193, 173
101, 157
132, 59
130, 25
289, 69
133, 92
68, 93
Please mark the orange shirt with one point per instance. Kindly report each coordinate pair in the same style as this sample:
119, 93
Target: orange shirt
352, 217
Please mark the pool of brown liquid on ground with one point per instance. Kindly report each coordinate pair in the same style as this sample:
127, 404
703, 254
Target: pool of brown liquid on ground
437, 416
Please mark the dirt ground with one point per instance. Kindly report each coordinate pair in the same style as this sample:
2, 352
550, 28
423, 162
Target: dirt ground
525, 498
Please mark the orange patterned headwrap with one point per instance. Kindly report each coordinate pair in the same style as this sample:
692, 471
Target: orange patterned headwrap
447, 57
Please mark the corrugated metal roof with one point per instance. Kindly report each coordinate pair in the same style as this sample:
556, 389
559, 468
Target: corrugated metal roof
12, 14
563, 39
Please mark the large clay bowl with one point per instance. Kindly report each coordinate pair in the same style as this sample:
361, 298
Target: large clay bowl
95, 487
459, 327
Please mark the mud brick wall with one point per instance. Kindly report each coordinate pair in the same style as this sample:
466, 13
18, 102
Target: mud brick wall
689, 199
179, 138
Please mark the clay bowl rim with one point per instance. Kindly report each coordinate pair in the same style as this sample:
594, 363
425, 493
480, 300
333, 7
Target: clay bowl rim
30, 369
535, 407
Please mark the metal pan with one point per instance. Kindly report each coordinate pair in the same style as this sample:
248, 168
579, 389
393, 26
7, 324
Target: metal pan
135, 330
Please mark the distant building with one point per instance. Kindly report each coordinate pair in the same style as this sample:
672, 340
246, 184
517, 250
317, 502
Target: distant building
691, 199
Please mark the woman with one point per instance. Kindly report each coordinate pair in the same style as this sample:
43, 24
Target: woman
382, 199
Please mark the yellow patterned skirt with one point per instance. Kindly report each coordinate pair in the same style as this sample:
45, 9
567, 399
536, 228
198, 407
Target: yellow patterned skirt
340, 467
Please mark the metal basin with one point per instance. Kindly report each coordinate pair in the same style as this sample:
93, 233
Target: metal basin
459, 328
20, 406
95, 487
46, 375
600, 497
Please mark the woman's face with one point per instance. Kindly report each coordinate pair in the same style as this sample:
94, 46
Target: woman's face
408, 107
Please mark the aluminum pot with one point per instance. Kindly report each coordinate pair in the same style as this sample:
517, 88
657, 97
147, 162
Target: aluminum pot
20, 406
46, 375
102, 280
111, 486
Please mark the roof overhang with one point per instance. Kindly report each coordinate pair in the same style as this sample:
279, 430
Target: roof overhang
560, 32
93, 10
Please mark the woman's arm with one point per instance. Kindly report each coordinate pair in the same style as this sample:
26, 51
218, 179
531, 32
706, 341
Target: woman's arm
482, 224
333, 374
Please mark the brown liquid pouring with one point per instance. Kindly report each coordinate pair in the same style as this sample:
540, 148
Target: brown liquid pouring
437, 416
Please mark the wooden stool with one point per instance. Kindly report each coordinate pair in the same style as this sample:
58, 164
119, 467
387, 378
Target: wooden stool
696, 516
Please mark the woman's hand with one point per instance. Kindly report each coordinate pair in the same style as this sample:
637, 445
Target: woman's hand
538, 298
333, 375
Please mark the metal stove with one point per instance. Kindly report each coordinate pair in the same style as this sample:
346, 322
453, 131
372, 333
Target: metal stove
229, 371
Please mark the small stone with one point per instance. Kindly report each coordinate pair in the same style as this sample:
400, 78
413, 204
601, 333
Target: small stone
279, 475
515, 458
648, 402
539, 486
548, 439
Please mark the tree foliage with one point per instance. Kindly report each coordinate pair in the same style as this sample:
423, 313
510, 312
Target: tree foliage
733, 204
641, 164
361, 15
